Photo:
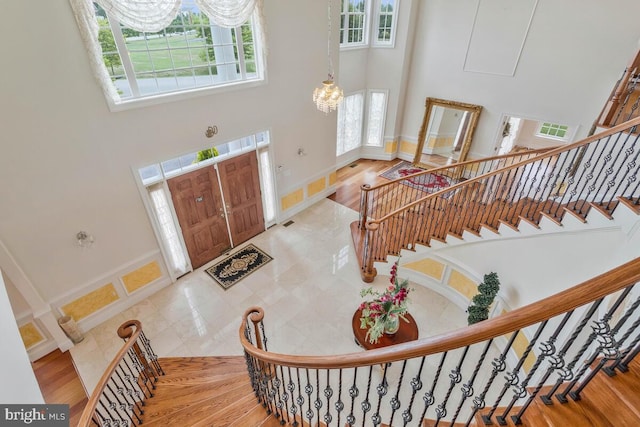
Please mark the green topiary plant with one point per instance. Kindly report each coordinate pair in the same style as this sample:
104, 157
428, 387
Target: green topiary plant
206, 154
487, 291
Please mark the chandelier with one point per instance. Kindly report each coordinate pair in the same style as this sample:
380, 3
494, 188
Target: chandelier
329, 96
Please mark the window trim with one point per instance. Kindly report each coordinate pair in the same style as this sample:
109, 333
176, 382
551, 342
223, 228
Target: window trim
569, 133
160, 98
365, 29
376, 27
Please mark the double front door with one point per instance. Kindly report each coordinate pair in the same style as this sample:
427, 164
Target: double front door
217, 214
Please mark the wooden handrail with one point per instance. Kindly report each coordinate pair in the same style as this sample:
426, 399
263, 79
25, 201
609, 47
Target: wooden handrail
125, 331
367, 188
550, 153
570, 299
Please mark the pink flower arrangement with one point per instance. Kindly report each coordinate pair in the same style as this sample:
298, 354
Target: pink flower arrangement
387, 307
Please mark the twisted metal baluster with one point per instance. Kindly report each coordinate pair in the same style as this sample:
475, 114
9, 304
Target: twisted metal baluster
547, 348
416, 385
428, 397
366, 405
455, 377
600, 327
609, 348
512, 377
328, 392
382, 391
395, 401
151, 354
283, 397
498, 365
291, 388
566, 372
308, 389
131, 401
300, 398
467, 388
353, 393
339, 405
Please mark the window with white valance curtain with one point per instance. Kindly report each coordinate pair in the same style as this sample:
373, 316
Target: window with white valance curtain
142, 48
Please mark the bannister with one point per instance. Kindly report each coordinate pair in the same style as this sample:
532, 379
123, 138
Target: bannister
622, 104
433, 377
595, 171
119, 397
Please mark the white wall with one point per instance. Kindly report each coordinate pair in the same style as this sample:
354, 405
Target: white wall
15, 369
66, 159
590, 43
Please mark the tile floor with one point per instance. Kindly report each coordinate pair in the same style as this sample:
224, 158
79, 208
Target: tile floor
309, 293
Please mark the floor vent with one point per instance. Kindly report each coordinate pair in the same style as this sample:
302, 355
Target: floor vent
288, 223
353, 165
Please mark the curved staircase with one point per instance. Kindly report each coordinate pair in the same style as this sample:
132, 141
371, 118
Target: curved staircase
216, 391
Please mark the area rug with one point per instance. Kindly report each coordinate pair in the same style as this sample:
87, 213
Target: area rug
428, 182
237, 266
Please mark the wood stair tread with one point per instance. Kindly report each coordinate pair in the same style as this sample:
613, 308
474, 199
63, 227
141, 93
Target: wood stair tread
632, 204
199, 364
182, 413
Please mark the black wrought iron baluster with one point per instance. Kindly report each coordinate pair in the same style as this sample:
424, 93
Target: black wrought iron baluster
353, 393
596, 331
308, 389
128, 392
151, 354
142, 372
395, 401
627, 152
561, 173
558, 362
317, 403
291, 388
366, 404
300, 398
629, 90
339, 405
610, 370
99, 418
328, 392
609, 349
273, 384
382, 391
529, 183
541, 195
264, 336
564, 179
498, 365
454, 378
592, 173
547, 349
511, 379
120, 406
624, 365
283, 395
134, 374
429, 397
416, 385
467, 388
503, 179
631, 174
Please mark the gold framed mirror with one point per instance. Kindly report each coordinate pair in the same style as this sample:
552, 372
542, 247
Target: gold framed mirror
446, 132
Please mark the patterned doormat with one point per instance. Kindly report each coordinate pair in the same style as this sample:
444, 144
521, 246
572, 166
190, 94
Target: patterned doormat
237, 266
428, 182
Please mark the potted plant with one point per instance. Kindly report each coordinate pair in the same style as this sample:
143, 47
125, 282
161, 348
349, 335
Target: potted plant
383, 313
487, 291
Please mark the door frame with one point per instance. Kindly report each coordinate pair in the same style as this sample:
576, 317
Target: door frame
151, 213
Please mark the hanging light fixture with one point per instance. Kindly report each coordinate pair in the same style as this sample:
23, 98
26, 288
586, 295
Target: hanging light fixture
329, 96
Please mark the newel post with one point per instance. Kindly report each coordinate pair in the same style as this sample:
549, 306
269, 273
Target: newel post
364, 205
256, 315
368, 272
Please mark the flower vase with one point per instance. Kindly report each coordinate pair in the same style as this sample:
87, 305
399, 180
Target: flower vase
391, 325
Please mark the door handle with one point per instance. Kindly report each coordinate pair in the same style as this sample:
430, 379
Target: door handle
199, 199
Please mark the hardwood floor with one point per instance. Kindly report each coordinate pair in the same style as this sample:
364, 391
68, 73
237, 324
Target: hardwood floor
354, 175
59, 383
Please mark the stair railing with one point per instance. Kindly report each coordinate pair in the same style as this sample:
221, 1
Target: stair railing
624, 100
598, 171
486, 372
119, 397
381, 199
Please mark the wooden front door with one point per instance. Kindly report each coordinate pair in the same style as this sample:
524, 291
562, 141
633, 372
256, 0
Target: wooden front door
241, 187
198, 204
